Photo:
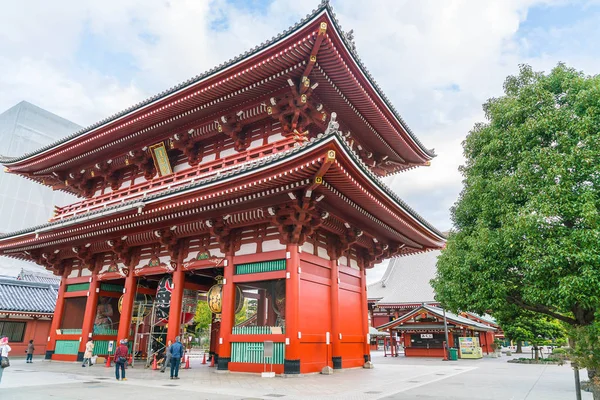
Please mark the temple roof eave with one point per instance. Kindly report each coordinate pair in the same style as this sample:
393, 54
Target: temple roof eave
323, 9
248, 171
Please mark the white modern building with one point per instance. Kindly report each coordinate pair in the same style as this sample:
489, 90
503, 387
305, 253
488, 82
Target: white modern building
25, 128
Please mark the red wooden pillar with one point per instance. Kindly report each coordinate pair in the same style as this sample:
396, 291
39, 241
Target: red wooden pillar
365, 313
90, 314
291, 364
336, 350
173, 330
58, 314
227, 314
127, 307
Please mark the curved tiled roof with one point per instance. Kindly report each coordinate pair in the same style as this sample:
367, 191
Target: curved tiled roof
406, 280
323, 7
438, 312
17, 295
246, 168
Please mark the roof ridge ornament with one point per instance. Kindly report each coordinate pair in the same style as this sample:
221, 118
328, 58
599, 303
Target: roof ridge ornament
349, 38
333, 126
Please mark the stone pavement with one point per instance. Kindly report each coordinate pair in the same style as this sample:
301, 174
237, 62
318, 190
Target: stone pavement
392, 378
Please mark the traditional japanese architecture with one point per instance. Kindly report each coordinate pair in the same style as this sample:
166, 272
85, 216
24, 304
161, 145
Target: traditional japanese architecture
403, 304
259, 178
26, 308
403, 287
422, 331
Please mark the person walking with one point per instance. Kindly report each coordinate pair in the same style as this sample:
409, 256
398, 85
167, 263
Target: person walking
89, 351
4, 350
167, 360
121, 359
29, 351
176, 351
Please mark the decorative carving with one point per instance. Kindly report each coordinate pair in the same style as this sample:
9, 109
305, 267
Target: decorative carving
297, 109
232, 126
349, 36
229, 239
143, 161
297, 220
183, 141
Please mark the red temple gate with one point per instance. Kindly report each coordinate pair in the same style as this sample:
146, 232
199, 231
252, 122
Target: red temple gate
264, 171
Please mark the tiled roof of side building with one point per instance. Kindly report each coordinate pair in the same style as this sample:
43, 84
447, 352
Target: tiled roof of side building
406, 280
22, 296
30, 276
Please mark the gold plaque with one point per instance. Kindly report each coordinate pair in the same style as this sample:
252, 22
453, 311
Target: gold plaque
161, 159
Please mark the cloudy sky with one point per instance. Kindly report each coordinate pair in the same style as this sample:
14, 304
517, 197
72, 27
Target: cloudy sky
438, 61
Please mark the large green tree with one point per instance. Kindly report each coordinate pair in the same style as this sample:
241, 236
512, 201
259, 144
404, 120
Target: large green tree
527, 220
525, 326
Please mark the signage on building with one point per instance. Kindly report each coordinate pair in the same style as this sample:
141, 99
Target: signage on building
426, 335
161, 159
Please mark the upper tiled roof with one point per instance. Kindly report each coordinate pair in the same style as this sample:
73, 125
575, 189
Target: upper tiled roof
406, 280
22, 296
323, 7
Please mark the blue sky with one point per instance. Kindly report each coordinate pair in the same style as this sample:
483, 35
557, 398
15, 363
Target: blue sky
437, 61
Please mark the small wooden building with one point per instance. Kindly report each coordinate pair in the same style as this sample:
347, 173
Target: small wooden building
26, 310
421, 331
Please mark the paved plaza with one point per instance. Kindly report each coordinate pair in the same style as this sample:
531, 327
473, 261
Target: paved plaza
392, 378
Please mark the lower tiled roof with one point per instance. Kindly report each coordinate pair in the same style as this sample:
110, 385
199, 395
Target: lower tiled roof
22, 296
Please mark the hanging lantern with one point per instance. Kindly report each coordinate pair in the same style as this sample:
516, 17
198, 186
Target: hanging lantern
214, 297
140, 298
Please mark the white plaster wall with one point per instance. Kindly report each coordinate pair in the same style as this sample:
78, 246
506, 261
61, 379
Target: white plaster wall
322, 252
272, 245
308, 248
228, 152
256, 143
181, 167
246, 248
275, 137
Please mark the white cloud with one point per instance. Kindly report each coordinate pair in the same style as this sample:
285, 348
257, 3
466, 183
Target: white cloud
437, 61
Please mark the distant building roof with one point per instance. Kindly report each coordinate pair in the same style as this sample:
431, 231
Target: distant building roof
30, 297
406, 280
31, 276
439, 313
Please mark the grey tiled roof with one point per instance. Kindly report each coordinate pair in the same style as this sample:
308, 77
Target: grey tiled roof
259, 163
29, 276
17, 295
438, 312
406, 280
324, 6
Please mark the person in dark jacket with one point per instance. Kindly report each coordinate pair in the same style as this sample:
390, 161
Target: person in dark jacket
176, 351
121, 359
29, 351
167, 360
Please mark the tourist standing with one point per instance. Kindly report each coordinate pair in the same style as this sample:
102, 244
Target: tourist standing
121, 359
176, 351
89, 351
4, 350
167, 360
29, 351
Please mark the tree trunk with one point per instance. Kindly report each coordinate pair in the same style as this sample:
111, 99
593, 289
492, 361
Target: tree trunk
594, 383
519, 347
537, 354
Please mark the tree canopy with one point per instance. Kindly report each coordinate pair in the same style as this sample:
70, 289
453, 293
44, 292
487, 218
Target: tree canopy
527, 220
